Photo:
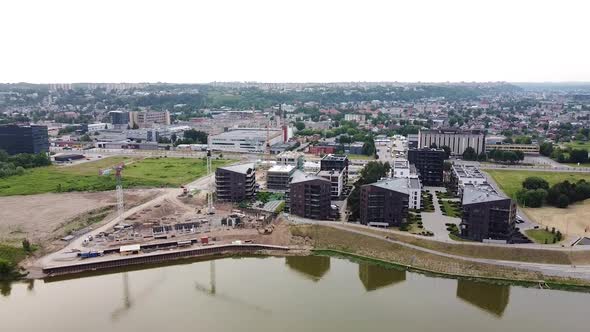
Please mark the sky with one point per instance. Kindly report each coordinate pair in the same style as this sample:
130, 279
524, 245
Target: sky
294, 41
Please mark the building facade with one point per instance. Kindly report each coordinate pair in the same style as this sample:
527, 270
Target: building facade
524, 148
278, 177
336, 162
16, 139
245, 140
429, 164
291, 158
119, 119
336, 179
309, 196
457, 140
146, 119
462, 175
487, 215
385, 203
235, 183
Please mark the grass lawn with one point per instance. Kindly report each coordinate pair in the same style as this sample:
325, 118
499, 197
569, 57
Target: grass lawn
511, 181
578, 145
576, 165
450, 210
360, 157
541, 236
12, 254
148, 172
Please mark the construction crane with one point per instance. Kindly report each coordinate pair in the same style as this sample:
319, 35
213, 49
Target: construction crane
118, 188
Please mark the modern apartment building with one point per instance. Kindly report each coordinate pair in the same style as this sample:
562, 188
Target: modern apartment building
309, 196
487, 214
278, 177
336, 162
336, 179
457, 140
429, 164
462, 175
119, 119
235, 183
385, 203
16, 139
291, 158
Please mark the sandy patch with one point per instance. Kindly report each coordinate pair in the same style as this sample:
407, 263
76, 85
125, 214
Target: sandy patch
574, 220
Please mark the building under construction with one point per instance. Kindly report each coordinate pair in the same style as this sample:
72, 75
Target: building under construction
235, 183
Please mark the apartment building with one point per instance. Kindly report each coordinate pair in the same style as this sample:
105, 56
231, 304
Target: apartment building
278, 177
309, 196
336, 179
385, 203
15, 139
429, 164
235, 183
336, 162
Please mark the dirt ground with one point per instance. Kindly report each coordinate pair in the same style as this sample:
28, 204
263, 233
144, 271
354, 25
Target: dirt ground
574, 220
40, 218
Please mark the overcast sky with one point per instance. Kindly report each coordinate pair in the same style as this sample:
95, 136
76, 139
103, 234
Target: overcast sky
294, 41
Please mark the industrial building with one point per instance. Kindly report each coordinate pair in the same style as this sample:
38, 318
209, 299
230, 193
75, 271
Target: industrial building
336, 179
245, 140
291, 158
309, 196
146, 119
429, 164
457, 140
524, 148
385, 203
487, 214
15, 139
235, 183
336, 162
278, 177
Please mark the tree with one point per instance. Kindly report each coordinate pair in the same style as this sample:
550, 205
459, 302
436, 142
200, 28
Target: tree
433, 146
579, 156
535, 182
482, 157
299, 125
469, 154
546, 149
447, 151
563, 201
85, 138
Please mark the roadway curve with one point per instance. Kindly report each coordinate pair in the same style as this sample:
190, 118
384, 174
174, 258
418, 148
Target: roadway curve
556, 270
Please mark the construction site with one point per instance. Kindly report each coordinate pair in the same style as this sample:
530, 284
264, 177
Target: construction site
183, 220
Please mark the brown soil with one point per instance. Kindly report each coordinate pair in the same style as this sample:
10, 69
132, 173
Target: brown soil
575, 220
42, 218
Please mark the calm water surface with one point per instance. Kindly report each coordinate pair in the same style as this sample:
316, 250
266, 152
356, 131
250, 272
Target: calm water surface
284, 294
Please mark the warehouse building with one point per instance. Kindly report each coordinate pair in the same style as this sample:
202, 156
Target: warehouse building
235, 183
245, 140
457, 140
15, 139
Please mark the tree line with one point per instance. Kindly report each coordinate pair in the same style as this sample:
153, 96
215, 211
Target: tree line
536, 192
16, 165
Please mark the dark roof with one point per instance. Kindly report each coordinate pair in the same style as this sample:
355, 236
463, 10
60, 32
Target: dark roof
479, 194
401, 185
299, 176
242, 168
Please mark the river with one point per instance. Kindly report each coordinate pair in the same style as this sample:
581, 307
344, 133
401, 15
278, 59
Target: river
284, 294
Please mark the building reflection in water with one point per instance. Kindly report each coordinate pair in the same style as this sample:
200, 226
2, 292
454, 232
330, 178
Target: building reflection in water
374, 276
486, 296
312, 267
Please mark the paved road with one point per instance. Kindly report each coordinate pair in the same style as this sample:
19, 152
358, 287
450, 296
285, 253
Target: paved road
566, 271
435, 221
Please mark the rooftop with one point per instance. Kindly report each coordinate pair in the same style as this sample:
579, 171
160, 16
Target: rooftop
246, 134
299, 176
243, 168
401, 185
481, 193
281, 169
334, 157
467, 171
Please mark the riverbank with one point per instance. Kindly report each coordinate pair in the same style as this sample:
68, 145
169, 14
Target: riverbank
338, 240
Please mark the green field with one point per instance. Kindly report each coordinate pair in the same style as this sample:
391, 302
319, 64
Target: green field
541, 236
360, 157
449, 209
511, 181
149, 172
578, 145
